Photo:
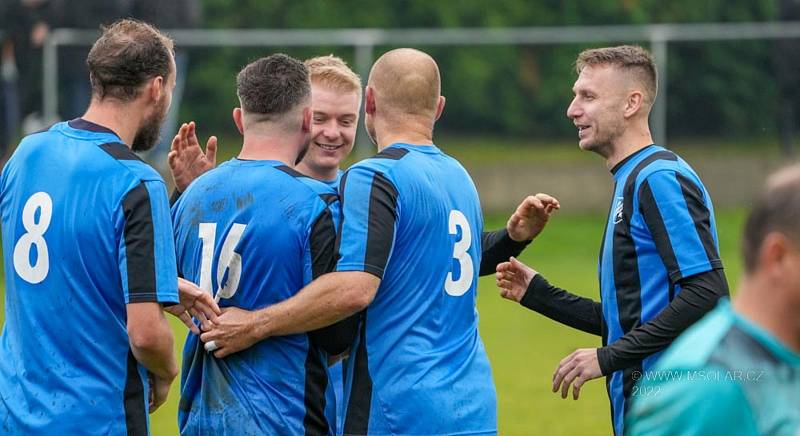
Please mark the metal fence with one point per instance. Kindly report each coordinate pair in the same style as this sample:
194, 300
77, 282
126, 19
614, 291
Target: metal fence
364, 42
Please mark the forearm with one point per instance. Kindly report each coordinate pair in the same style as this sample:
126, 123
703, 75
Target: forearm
326, 300
559, 305
699, 294
156, 353
497, 247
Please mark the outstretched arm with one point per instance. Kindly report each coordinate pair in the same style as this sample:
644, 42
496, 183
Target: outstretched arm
527, 221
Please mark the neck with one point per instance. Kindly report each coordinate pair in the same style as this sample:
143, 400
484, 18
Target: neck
416, 132
115, 116
261, 146
775, 314
318, 173
631, 141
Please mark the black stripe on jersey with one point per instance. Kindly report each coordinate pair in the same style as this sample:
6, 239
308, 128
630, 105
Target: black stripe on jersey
701, 216
628, 382
394, 153
290, 171
120, 151
81, 124
314, 421
341, 218
323, 241
335, 338
655, 222
139, 245
135, 414
626, 260
604, 329
356, 419
380, 226
329, 198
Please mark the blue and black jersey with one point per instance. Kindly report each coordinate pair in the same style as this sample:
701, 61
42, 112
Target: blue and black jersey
725, 375
86, 231
253, 233
660, 230
411, 217
659, 270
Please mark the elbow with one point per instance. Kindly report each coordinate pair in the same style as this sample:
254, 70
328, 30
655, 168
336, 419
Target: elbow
146, 339
360, 295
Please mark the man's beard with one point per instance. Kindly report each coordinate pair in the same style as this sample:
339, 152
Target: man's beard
148, 134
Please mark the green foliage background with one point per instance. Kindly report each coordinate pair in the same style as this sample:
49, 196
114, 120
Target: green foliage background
716, 89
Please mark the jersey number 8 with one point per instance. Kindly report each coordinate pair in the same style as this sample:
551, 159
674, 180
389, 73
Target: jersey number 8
34, 236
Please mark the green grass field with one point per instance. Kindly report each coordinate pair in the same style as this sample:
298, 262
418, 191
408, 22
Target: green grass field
524, 347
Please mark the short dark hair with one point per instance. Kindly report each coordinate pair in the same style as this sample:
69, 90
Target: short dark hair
127, 55
776, 210
273, 85
630, 58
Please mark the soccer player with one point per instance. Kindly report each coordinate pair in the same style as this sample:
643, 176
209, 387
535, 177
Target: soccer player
89, 255
659, 264
737, 371
255, 231
335, 101
410, 252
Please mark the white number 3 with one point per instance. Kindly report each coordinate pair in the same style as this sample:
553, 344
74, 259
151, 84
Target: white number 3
35, 236
459, 287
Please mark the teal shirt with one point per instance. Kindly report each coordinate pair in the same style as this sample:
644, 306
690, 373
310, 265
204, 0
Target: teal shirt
725, 375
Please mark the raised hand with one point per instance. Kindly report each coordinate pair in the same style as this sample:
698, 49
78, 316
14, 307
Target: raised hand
531, 216
187, 161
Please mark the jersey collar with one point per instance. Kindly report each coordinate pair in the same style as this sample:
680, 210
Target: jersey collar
81, 124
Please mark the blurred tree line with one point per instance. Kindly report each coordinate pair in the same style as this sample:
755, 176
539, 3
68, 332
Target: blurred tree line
719, 89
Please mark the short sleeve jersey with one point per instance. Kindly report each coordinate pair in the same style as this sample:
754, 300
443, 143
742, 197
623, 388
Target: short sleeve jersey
660, 229
253, 233
86, 230
411, 216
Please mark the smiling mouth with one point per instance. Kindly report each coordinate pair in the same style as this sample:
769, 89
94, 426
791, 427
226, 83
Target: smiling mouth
329, 147
581, 129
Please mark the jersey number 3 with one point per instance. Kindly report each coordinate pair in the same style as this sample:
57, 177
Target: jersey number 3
34, 236
459, 287
228, 259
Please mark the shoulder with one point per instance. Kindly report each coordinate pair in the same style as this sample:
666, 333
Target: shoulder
310, 186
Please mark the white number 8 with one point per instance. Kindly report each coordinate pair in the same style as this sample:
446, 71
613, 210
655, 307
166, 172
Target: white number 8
35, 236
459, 287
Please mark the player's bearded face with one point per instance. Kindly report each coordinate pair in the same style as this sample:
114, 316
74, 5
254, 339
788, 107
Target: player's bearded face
148, 133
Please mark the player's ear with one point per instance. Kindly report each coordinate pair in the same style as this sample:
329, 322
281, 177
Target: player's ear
369, 101
773, 256
439, 107
237, 119
633, 103
156, 88
307, 119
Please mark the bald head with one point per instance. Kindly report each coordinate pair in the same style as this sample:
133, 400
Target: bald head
406, 82
777, 209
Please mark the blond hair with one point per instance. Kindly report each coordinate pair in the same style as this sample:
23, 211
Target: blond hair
631, 59
332, 72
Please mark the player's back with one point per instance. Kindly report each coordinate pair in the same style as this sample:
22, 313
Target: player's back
250, 231
419, 366
77, 248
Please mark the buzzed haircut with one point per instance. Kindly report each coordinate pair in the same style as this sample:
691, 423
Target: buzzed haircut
332, 72
777, 209
407, 81
272, 86
632, 59
127, 55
